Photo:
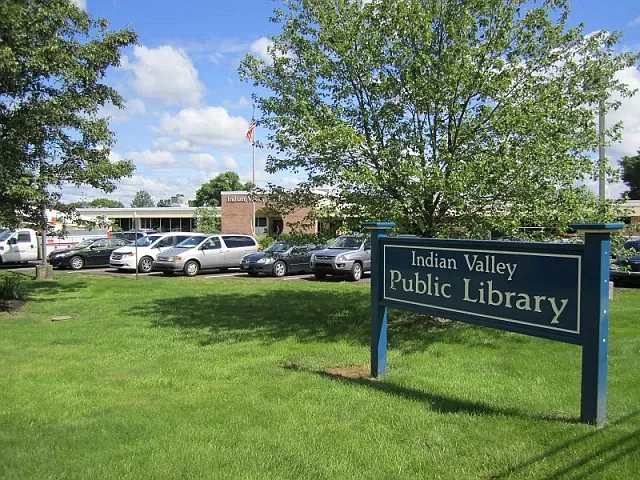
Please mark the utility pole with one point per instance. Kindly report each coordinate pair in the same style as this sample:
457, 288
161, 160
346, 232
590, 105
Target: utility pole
253, 177
601, 151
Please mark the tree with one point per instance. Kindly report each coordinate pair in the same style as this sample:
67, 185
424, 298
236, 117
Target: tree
105, 203
444, 116
209, 194
164, 202
631, 175
142, 199
53, 59
207, 220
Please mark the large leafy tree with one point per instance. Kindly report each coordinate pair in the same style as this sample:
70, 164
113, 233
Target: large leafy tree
443, 115
207, 220
106, 203
142, 199
209, 194
631, 175
53, 60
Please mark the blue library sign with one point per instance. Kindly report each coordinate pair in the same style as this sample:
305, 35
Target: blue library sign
554, 291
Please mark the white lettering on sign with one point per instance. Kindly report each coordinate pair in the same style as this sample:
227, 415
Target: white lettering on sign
236, 199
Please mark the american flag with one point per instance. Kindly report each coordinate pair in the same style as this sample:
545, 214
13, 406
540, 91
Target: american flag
250, 132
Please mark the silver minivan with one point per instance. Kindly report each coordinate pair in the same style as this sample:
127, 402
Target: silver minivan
203, 251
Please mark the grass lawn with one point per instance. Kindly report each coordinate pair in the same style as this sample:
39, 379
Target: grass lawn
236, 379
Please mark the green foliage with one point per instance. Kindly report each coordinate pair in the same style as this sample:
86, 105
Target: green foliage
265, 240
164, 202
207, 220
631, 175
299, 238
142, 199
105, 203
446, 117
13, 286
53, 59
295, 238
209, 194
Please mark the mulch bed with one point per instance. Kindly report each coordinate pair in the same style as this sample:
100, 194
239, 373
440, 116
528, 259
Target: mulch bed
11, 306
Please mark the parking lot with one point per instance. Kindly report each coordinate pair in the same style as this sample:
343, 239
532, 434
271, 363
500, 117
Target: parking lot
206, 274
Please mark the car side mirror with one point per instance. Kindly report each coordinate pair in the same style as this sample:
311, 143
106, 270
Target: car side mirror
13, 241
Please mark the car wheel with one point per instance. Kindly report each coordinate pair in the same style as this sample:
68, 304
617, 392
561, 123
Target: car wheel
252, 274
279, 269
356, 272
145, 265
320, 276
191, 268
168, 274
76, 263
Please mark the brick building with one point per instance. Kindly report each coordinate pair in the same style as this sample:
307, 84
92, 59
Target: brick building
236, 211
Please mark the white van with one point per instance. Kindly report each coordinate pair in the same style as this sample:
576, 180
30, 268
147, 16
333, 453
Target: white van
149, 247
18, 246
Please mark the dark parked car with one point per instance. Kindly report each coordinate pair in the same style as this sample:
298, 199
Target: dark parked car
279, 259
627, 267
92, 252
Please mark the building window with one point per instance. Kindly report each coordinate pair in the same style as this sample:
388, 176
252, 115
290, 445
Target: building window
261, 221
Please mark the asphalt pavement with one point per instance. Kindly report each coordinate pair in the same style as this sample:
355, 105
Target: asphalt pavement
206, 274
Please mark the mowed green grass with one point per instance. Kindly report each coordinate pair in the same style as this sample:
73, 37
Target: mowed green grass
227, 379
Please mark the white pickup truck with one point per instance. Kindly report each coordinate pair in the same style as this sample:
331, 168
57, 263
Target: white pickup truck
19, 245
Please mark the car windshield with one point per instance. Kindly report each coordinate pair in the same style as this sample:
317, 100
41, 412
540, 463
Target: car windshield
4, 235
191, 242
84, 243
347, 243
278, 247
148, 240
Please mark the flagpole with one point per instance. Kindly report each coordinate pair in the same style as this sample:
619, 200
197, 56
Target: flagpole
253, 178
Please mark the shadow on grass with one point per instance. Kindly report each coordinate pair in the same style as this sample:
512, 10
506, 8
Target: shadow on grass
593, 460
305, 316
435, 401
44, 290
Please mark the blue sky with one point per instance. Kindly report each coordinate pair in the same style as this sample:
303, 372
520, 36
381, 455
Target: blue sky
187, 110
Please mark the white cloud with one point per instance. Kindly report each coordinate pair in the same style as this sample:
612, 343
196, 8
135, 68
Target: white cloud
166, 74
261, 177
148, 157
628, 114
165, 143
635, 22
229, 162
82, 4
243, 102
206, 126
114, 157
221, 50
133, 107
289, 181
202, 160
261, 49
206, 175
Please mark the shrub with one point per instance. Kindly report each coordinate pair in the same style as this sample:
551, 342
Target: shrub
13, 287
265, 240
297, 238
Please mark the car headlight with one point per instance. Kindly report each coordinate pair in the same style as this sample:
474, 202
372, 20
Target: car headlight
343, 257
266, 260
175, 258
